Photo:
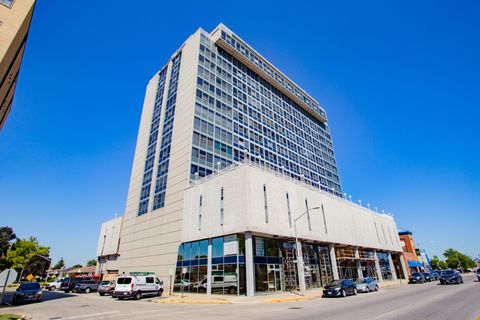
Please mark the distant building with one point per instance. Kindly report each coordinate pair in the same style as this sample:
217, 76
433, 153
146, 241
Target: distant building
81, 272
15, 18
107, 249
410, 256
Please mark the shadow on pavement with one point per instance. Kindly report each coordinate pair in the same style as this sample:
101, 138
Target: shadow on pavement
47, 296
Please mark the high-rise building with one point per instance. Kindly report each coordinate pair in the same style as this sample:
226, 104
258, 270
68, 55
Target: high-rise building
15, 18
234, 170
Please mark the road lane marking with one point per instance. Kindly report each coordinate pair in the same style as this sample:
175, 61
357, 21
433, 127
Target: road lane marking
91, 315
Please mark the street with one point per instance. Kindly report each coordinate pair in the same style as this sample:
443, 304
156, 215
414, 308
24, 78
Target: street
417, 301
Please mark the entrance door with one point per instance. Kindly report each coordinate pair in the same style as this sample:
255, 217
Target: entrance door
274, 277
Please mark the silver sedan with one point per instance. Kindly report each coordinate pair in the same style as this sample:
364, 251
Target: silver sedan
367, 284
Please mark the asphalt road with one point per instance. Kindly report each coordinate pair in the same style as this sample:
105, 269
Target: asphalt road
419, 301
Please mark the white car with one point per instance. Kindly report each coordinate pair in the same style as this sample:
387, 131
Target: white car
54, 285
137, 285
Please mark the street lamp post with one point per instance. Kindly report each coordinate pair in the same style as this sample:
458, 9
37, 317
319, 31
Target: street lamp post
298, 246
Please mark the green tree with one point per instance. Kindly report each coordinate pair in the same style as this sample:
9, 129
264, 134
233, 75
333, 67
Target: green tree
6, 237
60, 264
92, 262
22, 252
438, 264
456, 259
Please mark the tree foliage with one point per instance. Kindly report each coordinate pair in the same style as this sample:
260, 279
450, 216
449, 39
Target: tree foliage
91, 262
22, 252
60, 264
456, 259
438, 264
6, 238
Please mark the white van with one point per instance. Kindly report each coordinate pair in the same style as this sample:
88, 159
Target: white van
137, 285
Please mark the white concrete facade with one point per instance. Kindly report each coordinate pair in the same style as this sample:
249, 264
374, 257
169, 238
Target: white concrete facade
345, 222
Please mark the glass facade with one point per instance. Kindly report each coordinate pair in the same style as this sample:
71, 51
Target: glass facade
239, 116
228, 266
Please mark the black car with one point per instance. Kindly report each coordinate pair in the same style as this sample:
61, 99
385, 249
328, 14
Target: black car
340, 288
428, 276
451, 276
478, 274
28, 291
416, 277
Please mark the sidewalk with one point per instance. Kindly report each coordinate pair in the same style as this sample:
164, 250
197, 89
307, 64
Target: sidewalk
199, 298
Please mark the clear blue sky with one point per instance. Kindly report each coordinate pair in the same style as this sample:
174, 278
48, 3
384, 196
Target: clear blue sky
400, 82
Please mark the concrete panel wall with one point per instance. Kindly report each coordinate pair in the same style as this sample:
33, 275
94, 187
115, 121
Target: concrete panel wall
345, 222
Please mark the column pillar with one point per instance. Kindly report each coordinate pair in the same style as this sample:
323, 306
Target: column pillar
404, 267
392, 267
333, 261
358, 264
250, 277
209, 267
300, 267
377, 266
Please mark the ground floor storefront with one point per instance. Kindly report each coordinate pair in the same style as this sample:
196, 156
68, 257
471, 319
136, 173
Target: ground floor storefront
250, 264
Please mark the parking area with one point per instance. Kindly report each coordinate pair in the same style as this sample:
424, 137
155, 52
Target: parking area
429, 300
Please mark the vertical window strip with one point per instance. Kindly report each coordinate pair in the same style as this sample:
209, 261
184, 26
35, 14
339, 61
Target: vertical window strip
152, 145
324, 220
164, 155
289, 211
308, 215
221, 207
384, 236
376, 230
265, 202
200, 205
390, 233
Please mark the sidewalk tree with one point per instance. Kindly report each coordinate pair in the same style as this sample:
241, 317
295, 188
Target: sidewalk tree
438, 264
456, 259
6, 238
60, 264
91, 262
22, 252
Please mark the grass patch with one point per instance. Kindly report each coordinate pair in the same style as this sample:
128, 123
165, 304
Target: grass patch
9, 317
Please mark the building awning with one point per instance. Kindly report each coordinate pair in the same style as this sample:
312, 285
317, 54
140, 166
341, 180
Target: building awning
414, 264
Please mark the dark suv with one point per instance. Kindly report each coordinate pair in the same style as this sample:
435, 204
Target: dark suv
86, 286
450, 276
69, 283
478, 274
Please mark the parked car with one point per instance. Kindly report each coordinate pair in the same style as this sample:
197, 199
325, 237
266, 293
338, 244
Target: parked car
106, 287
28, 291
434, 275
54, 285
416, 277
137, 285
340, 288
366, 284
86, 286
451, 276
478, 274
69, 283
428, 276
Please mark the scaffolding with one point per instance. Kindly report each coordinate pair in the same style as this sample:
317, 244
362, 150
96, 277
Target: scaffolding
289, 269
326, 274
